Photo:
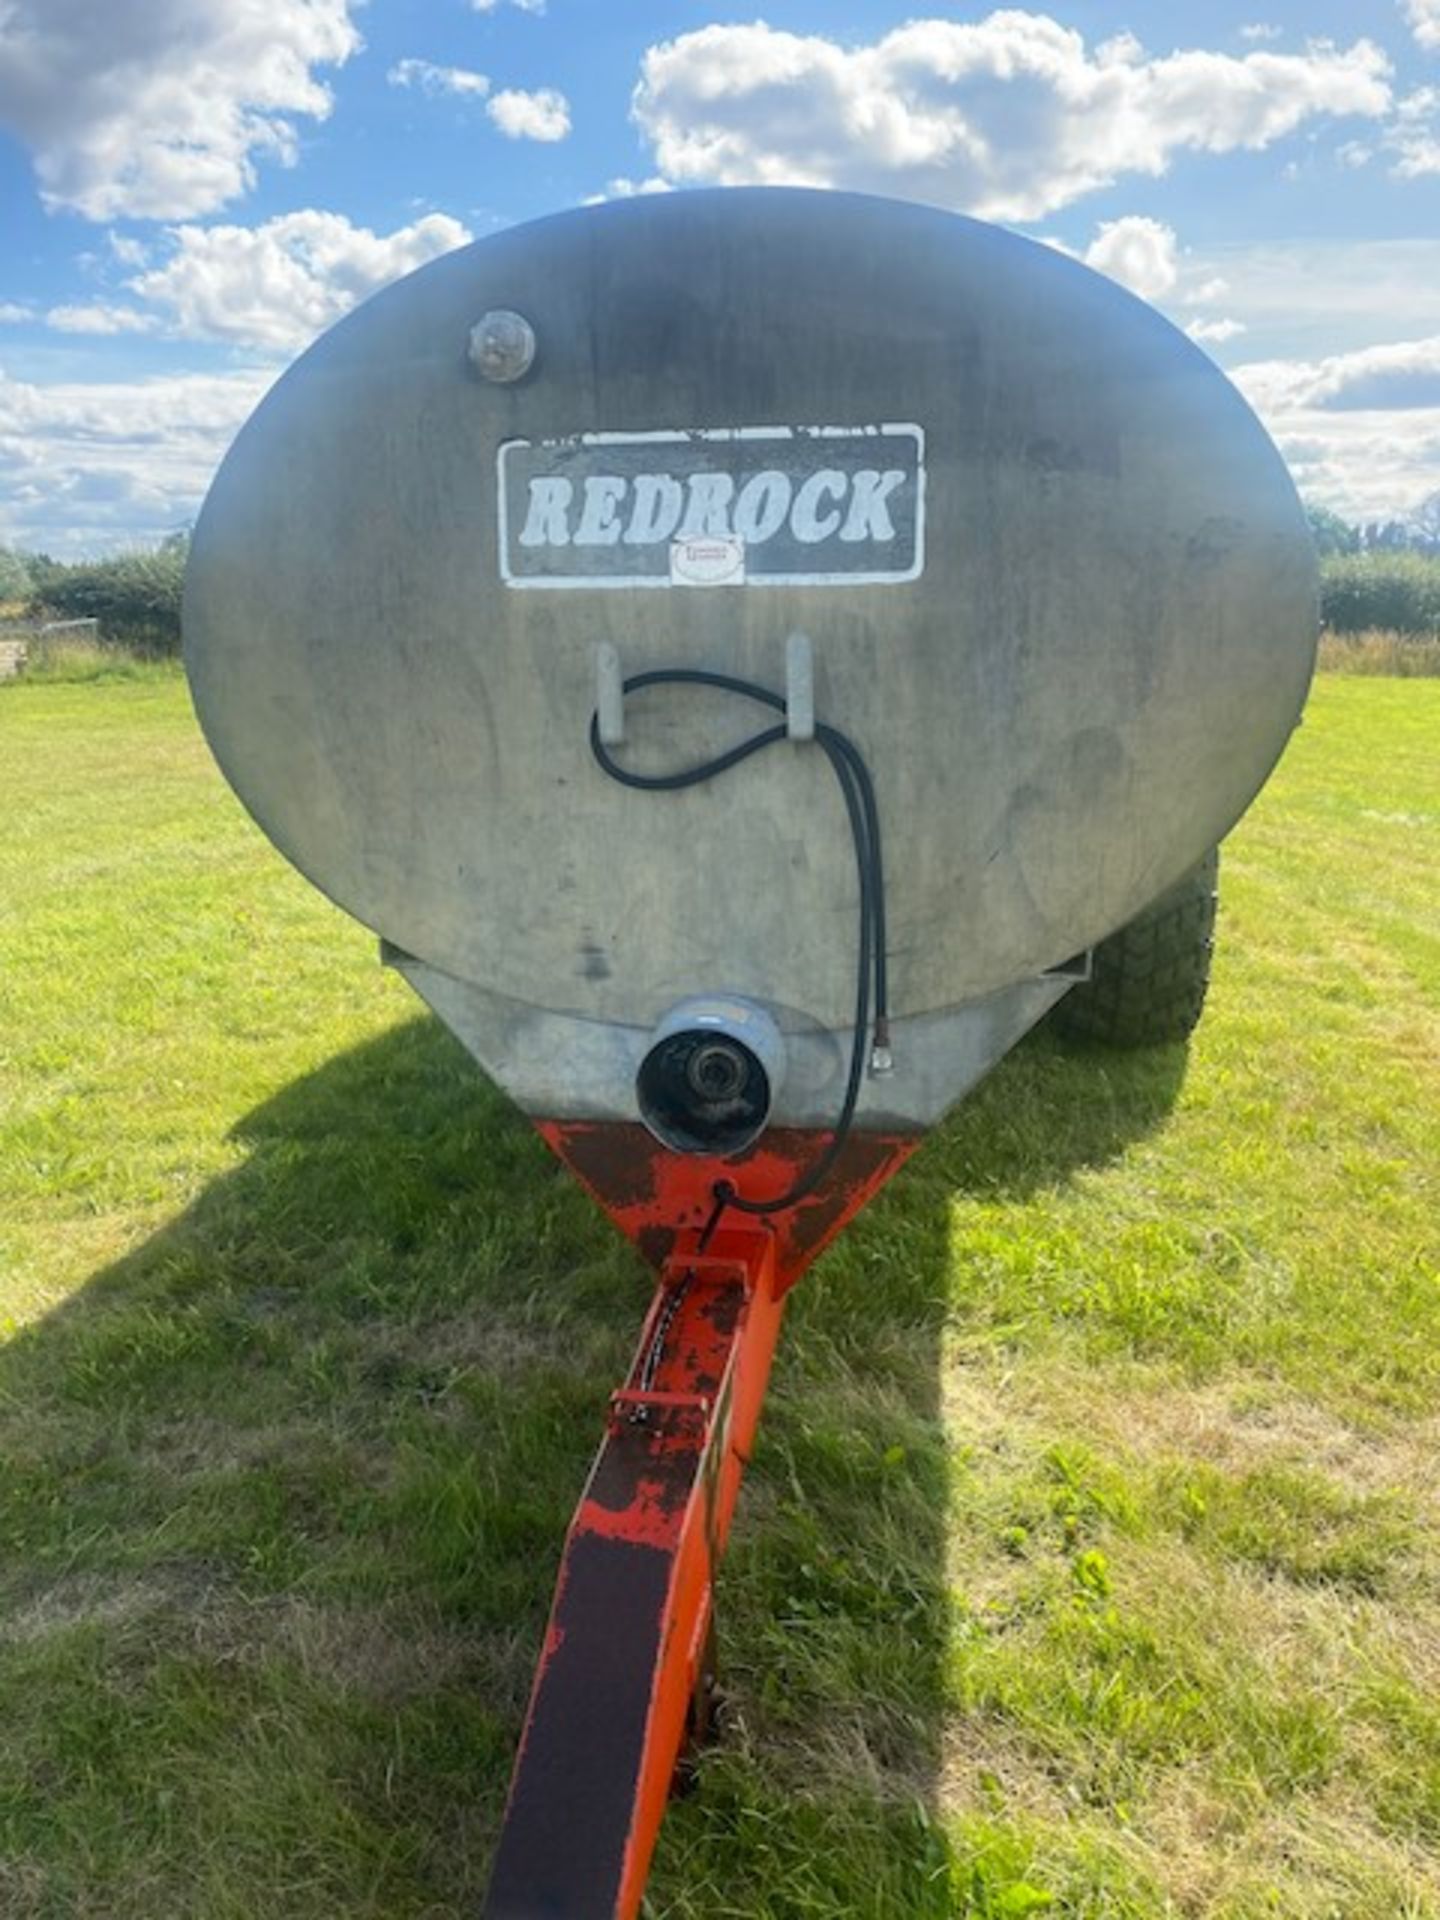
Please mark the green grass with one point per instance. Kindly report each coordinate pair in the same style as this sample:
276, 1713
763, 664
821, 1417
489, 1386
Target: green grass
1089, 1564
67, 661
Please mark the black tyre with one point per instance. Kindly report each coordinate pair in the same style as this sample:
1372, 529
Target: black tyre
1148, 980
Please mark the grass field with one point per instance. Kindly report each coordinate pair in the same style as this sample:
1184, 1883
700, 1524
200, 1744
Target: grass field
1090, 1563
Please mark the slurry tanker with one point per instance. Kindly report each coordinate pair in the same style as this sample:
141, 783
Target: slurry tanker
750, 656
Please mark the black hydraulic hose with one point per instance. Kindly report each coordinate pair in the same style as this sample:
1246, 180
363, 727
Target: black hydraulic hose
858, 790
830, 738
725, 1189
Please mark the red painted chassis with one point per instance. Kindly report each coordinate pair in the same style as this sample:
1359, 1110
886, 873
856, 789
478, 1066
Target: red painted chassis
627, 1666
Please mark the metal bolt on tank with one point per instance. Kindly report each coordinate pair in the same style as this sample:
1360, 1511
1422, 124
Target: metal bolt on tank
737, 650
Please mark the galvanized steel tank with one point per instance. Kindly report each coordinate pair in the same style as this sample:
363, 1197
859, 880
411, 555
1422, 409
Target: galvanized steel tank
1058, 585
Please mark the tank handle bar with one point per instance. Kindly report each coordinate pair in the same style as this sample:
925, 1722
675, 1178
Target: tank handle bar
799, 687
609, 695
799, 690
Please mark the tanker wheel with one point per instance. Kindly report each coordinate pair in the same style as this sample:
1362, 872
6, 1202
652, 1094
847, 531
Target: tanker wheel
1148, 980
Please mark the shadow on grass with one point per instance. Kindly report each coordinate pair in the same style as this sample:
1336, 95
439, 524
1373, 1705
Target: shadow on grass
288, 1484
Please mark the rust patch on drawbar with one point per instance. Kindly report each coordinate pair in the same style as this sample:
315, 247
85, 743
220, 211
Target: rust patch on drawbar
654, 1195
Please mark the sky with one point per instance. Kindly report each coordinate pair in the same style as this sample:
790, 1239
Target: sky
191, 190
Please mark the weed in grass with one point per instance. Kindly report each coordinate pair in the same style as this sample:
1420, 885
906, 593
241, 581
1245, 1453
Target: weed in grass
1298, 1523
1408, 655
71, 662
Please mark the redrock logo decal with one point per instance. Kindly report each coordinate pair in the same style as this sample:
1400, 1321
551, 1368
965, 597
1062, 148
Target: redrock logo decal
714, 507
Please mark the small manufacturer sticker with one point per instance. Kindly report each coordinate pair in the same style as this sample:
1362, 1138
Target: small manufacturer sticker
707, 563
714, 506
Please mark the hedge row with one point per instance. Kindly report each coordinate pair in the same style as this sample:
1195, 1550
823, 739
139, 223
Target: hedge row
135, 596
1398, 592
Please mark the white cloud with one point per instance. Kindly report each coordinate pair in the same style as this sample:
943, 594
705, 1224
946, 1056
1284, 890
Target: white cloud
522, 6
85, 466
626, 189
1424, 18
128, 251
279, 284
543, 115
429, 78
1140, 253
12, 314
1305, 300
1404, 374
1366, 466
99, 319
1260, 31
1418, 158
1413, 134
1214, 333
1145, 256
159, 111
1360, 430
1010, 117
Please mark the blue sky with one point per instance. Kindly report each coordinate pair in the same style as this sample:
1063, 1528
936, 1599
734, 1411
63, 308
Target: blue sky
191, 189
